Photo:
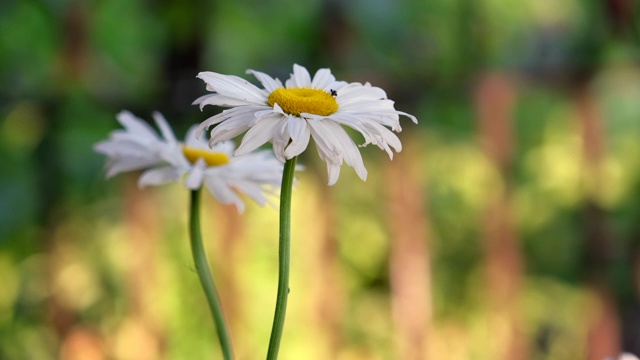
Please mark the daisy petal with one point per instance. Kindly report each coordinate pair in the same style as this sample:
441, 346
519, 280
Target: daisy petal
267, 81
158, 176
299, 78
234, 87
413, 118
136, 125
299, 133
126, 164
333, 172
259, 134
234, 113
252, 190
335, 135
224, 193
165, 129
195, 177
322, 79
230, 129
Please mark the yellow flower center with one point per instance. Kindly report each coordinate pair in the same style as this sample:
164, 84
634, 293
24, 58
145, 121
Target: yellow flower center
296, 101
210, 157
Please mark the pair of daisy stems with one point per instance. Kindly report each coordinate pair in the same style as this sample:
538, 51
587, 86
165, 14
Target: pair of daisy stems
284, 256
287, 115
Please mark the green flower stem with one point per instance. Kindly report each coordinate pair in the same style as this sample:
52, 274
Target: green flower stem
202, 267
284, 258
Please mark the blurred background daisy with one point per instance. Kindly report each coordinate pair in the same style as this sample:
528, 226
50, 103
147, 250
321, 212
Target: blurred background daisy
192, 162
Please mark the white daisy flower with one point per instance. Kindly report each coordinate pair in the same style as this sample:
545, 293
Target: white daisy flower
288, 116
164, 159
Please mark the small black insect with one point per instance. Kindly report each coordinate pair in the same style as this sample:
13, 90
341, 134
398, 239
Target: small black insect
334, 93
